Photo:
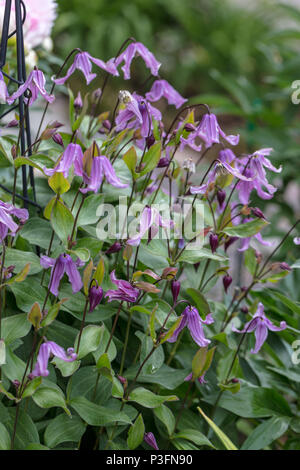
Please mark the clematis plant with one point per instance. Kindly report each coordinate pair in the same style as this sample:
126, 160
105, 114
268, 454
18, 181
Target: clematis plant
127, 315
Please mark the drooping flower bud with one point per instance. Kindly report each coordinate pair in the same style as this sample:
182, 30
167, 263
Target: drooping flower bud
221, 196
58, 139
78, 102
285, 267
227, 280
175, 288
96, 94
229, 242
114, 248
257, 212
189, 127
213, 241
150, 439
13, 123
150, 141
163, 162
106, 124
95, 296
244, 309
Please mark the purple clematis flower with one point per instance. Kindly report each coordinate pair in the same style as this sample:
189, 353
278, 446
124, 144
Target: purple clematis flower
257, 162
63, 264
150, 439
200, 379
83, 61
35, 83
137, 49
161, 88
150, 218
46, 349
3, 90
125, 291
190, 317
101, 167
137, 114
260, 324
245, 242
72, 153
6, 221
210, 132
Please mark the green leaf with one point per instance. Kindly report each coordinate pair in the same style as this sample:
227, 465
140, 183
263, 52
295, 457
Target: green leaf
90, 340
148, 399
63, 429
151, 159
47, 397
130, 158
15, 327
31, 387
199, 300
26, 430
136, 433
35, 316
19, 161
66, 368
223, 438
38, 231
194, 436
59, 183
4, 438
194, 256
88, 214
20, 259
246, 230
2, 352
266, 433
62, 221
28, 292
97, 415
165, 415
104, 367
52, 313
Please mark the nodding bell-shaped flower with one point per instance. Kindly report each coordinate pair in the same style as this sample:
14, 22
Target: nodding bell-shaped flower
71, 154
161, 88
95, 296
63, 264
137, 49
124, 290
46, 349
6, 221
261, 325
150, 439
190, 317
150, 217
35, 83
83, 62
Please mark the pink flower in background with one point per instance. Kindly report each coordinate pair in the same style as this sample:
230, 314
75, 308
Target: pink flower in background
40, 16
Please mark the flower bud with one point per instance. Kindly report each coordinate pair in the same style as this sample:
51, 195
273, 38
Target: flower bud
150, 439
285, 267
163, 162
244, 309
95, 296
189, 127
169, 273
106, 124
57, 139
214, 241
229, 242
78, 102
175, 288
123, 380
150, 141
114, 248
97, 94
227, 280
13, 123
235, 380
257, 212
221, 196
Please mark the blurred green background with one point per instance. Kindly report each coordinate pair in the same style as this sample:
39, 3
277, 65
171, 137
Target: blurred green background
239, 57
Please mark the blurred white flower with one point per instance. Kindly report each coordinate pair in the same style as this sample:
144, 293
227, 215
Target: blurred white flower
40, 16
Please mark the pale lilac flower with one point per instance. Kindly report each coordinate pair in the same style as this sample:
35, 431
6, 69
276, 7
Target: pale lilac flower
257, 162
245, 242
124, 292
3, 90
200, 379
190, 317
150, 439
83, 61
150, 218
63, 264
296, 240
46, 349
137, 114
6, 221
101, 167
35, 83
137, 49
161, 88
260, 324
71, 154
